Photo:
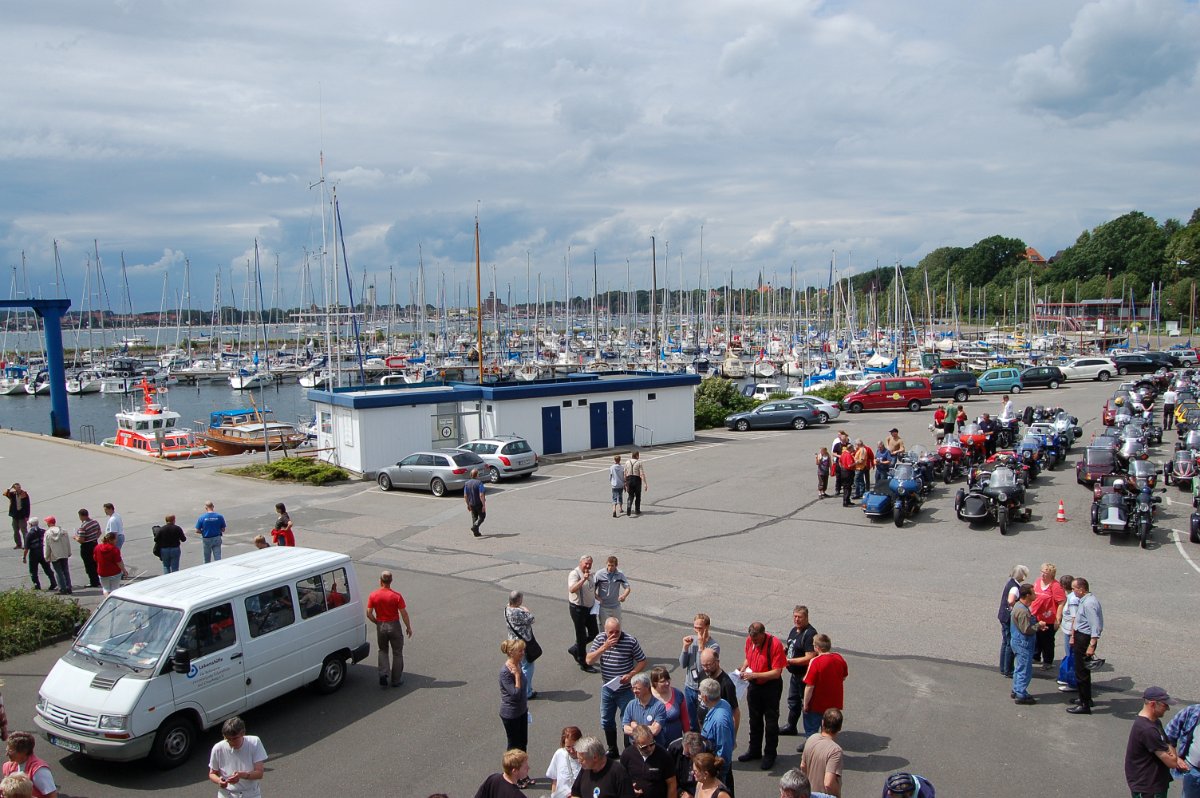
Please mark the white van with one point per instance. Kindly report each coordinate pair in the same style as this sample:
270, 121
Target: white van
161, 660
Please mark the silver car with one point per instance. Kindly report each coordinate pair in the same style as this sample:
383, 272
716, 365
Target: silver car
436, 471
507, 456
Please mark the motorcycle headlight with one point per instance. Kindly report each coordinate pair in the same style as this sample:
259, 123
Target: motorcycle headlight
1003, 497
114, 723
900, 490
1143, 507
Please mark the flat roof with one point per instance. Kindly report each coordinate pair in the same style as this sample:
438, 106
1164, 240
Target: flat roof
200, 584
370, 396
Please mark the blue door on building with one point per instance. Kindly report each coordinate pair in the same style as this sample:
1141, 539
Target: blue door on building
623, 423
599, 417
551, 430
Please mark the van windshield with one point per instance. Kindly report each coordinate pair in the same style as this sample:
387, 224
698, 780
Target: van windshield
128, 633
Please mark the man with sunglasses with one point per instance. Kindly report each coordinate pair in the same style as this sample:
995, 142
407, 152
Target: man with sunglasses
650, 768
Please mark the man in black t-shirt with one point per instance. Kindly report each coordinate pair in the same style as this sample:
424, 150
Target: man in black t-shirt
682, 750
650, 768
800, 652
1148, 756
710, 663
600, 777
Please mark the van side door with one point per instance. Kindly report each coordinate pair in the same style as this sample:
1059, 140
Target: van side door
274, 656
216, 681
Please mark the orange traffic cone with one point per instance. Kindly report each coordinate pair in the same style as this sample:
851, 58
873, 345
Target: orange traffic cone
1062, 513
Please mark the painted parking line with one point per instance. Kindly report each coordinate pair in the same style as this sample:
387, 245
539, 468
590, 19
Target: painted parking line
1179, 538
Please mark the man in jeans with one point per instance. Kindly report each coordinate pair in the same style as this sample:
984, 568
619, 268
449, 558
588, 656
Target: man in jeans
474, 494
385, 608
88, 537
620, 657
211, 526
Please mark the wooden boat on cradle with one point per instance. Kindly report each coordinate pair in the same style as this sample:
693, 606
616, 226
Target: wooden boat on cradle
248, 430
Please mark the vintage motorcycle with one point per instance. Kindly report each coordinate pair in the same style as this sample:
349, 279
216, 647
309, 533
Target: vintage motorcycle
952, 460
999, 496
903, 497
1181, 469
974, 442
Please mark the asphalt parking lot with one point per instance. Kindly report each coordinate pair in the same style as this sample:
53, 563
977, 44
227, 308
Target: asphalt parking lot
731, 527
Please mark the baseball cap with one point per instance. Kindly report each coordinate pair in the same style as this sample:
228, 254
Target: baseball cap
51, 520
893, 430
1156, 694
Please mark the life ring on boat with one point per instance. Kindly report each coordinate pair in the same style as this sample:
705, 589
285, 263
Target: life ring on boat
491, 371
396, 361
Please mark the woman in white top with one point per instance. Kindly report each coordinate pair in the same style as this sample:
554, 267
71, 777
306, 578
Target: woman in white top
564, 765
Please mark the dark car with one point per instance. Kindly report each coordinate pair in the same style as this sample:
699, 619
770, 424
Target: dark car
1164, 360
797, 415
1135, 364
956, 385
1097, 462
1042, 377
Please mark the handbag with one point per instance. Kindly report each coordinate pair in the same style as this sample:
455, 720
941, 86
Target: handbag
1066, 671
157, 549
533, 649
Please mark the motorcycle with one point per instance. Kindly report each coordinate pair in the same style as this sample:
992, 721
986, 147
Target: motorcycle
974, 442
1051, 443
926, 463
1007, 431
1031, 455
998, 496
1067, 426
1143, 514
902, 498
952, 458
1110, 508
1190, 441
1181, 470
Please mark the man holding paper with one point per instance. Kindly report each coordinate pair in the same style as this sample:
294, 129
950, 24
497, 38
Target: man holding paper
620, 657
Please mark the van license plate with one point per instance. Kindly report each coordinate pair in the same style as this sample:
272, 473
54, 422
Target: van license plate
69, 745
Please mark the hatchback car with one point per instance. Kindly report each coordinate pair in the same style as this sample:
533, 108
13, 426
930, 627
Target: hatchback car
437, 471
1005, 379
796, 415
507, 456
826, 408
1042, 377
956, 385
1090, 368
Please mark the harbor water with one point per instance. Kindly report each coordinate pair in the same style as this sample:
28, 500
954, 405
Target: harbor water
93, 415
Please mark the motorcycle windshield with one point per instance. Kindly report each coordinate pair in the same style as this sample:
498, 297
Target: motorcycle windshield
1098, 457
903, 472
972, 429
1003, 478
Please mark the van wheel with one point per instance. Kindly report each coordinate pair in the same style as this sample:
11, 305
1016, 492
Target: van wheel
333, 674
437, 487
961, 396
856, 407
1015, 389
914, 405
173, 742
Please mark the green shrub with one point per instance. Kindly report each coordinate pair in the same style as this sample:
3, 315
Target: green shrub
716, 398
834, 393
779, 396
30, 620
294, 469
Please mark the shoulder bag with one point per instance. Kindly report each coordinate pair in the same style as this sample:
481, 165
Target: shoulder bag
533, 649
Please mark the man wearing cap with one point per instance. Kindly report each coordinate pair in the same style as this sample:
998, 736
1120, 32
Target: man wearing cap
1149, 757
1085, 635
894, 443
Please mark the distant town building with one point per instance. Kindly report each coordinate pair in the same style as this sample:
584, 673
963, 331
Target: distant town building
1034, 257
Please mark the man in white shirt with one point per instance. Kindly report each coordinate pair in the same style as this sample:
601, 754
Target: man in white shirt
236, 763
1006, 409
1170, 397
114, 524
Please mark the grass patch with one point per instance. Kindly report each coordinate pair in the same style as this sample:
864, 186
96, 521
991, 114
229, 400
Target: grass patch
293, 469
31, 619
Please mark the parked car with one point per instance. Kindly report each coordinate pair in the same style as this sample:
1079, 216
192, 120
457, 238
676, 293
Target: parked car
1186, 356
1090, 368
890, 393
956, 385
1006, 379
1135, 364
507, 456
1164, 360
796, 415
1042, 377
826, 408
437, 470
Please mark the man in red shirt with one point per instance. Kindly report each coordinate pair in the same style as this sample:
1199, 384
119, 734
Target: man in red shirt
385, 608
763, 672
823, 684
846, 472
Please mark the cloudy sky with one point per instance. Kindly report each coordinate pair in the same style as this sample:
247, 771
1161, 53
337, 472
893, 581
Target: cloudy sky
781, 133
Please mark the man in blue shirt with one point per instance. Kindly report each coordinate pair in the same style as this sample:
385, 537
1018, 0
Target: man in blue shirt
475, 495
211, 526
718, 724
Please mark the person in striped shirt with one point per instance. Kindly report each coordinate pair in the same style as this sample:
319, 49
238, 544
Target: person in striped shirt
88, 537
620, 657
